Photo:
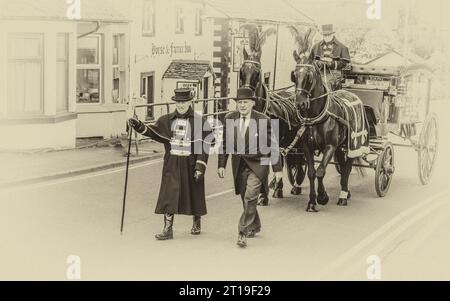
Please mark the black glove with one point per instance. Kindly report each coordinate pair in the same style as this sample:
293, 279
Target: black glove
320, 64
137, 125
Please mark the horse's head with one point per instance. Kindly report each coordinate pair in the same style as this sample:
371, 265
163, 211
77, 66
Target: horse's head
250, 73
304, 77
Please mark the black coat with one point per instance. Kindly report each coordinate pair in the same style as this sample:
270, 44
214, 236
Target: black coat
339, 53
179, 193
252, 157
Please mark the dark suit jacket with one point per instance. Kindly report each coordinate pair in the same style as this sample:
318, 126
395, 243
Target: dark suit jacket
253, 155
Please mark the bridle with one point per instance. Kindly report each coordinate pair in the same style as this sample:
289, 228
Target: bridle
313, 83
308, 93
258, 67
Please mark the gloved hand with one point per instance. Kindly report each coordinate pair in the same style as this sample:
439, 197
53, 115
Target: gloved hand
331, 65
198, 176
221, 172
136, 124
320, 64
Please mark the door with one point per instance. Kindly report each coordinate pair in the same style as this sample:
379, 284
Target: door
148, 93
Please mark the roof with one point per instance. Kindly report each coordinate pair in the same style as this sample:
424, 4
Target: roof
92, 10
189, 70
258, 10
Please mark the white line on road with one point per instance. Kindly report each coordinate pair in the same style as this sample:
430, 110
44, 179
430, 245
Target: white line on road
81, 177
208, 197
351, 253
380, 248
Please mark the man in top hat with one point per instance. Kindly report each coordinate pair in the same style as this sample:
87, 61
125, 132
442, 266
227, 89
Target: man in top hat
245, 133
185, 137
331, 56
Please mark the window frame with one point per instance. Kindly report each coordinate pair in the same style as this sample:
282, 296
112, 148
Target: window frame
146, 4
98, 66
179, 19
198, 22
12, 58
66, 61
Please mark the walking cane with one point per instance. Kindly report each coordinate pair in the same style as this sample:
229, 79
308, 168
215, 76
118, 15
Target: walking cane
128, 165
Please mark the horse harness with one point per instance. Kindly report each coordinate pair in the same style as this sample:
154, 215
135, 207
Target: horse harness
309, 123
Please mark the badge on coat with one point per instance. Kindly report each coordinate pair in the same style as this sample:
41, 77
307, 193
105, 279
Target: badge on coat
180, 144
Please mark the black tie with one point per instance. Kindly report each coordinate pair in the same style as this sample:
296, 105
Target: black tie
243, 126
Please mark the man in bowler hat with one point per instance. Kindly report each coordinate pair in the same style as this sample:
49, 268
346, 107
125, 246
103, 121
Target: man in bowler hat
250, 164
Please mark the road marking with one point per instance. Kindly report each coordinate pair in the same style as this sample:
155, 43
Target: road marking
352, 252
208, 197
80, 177
381, 247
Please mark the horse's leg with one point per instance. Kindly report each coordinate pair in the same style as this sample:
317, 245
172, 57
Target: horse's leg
346, 165
328, 153
278, 187
312, 177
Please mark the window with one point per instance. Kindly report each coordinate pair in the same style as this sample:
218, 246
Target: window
179, 25
25, 74
148, 18
89, 69
198, 22
117, 75
62, 75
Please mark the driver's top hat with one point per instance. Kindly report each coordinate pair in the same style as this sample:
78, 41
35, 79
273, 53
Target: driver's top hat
327, 29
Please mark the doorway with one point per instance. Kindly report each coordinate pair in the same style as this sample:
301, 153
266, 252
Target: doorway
148, 93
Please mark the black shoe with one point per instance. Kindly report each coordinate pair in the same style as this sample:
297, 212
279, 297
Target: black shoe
263, 200
242, 240
196, 226
167, 232
252, 233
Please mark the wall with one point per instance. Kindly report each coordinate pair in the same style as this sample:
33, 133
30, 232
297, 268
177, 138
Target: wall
144, 55
35, 134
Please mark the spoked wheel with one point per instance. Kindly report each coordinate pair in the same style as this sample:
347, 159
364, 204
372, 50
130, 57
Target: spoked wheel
385, 170
427, 148
296, 168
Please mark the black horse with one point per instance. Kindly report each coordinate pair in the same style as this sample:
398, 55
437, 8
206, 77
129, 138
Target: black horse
283, 110
326, 129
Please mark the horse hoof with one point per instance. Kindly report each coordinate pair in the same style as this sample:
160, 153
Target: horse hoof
312, 208
349, 195
342, 202
278, 194
296, 191
323, 199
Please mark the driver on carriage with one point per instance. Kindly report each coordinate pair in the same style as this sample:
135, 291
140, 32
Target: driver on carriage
331, 56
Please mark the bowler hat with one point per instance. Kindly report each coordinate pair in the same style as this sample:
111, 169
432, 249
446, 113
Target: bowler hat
183, 95
327, 29
245, 93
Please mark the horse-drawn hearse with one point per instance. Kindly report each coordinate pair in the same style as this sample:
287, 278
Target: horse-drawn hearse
396, 104
356, 126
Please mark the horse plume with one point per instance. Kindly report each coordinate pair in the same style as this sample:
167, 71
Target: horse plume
257, 38
303, 40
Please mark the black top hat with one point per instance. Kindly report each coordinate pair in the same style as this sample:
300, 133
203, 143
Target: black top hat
183, 95
245, 93
327, 29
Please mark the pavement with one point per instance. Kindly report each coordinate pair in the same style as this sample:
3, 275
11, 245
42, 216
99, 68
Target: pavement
23, 168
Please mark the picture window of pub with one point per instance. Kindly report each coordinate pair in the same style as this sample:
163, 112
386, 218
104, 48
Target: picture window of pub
89, 69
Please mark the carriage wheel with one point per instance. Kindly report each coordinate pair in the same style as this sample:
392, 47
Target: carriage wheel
427, 149
385, 170
295, 165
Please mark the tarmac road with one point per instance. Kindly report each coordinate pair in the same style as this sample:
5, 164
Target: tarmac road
42, 224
